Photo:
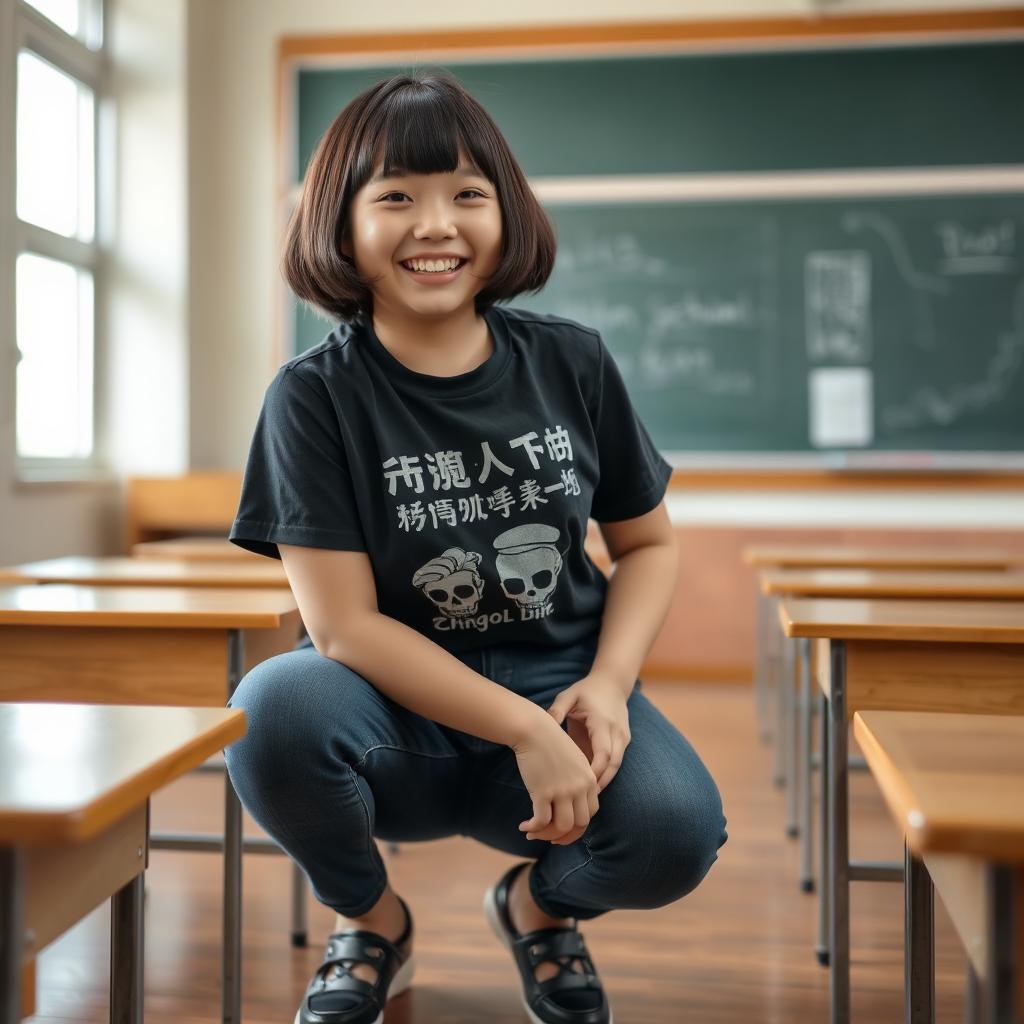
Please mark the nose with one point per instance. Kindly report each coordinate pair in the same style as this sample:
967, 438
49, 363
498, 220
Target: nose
435, 221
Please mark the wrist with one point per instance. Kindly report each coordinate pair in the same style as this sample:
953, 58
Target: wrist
528, 722
622, 681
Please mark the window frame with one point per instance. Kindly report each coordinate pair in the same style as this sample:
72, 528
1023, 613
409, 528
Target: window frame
34, 32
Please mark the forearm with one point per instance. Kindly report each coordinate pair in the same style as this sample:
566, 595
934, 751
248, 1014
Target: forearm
423, 677
640, 591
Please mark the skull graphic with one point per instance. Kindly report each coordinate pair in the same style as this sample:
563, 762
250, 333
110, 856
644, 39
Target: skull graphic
528, 563
451, 582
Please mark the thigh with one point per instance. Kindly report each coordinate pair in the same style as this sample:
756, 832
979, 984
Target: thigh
311, 717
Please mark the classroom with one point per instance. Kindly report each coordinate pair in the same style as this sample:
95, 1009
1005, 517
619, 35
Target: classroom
715, 714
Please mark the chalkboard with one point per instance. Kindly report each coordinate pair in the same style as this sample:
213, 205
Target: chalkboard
776, 327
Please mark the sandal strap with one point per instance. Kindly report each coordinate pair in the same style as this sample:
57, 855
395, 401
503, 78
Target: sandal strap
557, 945
346, 949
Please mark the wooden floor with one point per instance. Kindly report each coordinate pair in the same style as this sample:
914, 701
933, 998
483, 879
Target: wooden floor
738, 949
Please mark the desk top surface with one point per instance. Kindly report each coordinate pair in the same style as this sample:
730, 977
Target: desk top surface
954, 783
62, 604
940, 621
762, 555
904, 583
197, 549
69, 770
148, 572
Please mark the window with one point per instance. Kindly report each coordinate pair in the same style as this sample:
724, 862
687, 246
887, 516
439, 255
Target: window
60, 63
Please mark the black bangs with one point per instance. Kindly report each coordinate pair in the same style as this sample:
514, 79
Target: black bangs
420, 129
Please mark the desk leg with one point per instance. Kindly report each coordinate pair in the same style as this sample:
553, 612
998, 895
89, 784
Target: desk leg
760, 658
775, 656
789, 705
804, 771
231, 964
127, 944
918, 941
823, 858
12, 939
838, 839
998, 985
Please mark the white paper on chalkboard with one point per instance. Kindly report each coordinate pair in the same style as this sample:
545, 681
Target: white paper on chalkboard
841, 406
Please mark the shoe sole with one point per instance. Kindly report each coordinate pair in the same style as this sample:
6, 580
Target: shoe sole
399, 983
494, 920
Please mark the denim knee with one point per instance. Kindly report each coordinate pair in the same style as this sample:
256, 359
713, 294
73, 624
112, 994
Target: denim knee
666, 846
274, 716
692, 828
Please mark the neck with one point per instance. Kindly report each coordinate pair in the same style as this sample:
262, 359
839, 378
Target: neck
443, 346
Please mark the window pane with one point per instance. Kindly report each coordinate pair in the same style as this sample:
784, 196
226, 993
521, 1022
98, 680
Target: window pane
56, 174
55, 373
61, 12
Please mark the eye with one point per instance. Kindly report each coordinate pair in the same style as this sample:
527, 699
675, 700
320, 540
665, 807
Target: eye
478, 195
390, 194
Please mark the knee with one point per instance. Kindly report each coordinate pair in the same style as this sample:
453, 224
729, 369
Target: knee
278, 713
674, 841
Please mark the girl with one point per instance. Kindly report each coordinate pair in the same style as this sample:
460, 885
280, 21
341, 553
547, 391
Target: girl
426, 474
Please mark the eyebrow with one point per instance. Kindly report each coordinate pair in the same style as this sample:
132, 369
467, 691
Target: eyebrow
399, 172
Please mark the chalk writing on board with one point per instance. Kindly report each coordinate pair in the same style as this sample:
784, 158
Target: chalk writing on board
989, 249
918, 282
932, 405
670, 342
621, 253
837, 306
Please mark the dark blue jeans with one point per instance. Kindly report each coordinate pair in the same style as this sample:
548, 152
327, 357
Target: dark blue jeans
329, 762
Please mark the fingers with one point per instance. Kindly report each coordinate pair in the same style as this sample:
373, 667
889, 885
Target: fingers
540, 820
569, 822
602, 747
614, 762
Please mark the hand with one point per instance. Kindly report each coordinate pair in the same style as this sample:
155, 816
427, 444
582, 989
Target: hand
560, 783
598, 722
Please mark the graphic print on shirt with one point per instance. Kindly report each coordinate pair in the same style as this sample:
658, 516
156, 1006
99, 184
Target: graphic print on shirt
527, 563
527, 559
452, 583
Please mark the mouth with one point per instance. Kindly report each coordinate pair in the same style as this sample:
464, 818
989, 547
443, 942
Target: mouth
434, 276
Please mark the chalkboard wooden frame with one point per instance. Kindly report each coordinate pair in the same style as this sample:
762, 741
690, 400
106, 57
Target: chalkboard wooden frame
718, 36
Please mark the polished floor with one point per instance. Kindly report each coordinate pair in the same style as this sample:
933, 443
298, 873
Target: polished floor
738, 949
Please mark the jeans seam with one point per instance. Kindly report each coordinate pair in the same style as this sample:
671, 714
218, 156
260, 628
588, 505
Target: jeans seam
590, 857
372, 853
401, 750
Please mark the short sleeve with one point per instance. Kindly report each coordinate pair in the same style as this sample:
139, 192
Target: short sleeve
297, 487
633, 473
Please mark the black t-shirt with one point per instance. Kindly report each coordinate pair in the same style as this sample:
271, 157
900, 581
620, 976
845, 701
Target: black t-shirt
470, 494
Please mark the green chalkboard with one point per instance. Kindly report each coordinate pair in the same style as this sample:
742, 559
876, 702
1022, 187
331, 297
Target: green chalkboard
791, 326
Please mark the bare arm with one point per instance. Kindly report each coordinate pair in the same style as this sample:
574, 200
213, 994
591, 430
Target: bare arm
337, 597
640, 591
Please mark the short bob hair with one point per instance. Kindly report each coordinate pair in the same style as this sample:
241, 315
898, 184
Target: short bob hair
418, 124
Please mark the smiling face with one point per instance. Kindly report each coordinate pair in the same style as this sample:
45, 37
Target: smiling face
397, 218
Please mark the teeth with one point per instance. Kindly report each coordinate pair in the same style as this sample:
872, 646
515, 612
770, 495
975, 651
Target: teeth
432, 266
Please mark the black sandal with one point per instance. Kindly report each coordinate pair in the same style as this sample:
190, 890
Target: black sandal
567, 998
343, 998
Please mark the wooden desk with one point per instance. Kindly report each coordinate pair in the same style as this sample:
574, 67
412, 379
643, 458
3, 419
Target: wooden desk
768, 656
955, 785
808, 555
849, 582
148, 572
154, 646
196, 549
75, 783
956, 656
121, 571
